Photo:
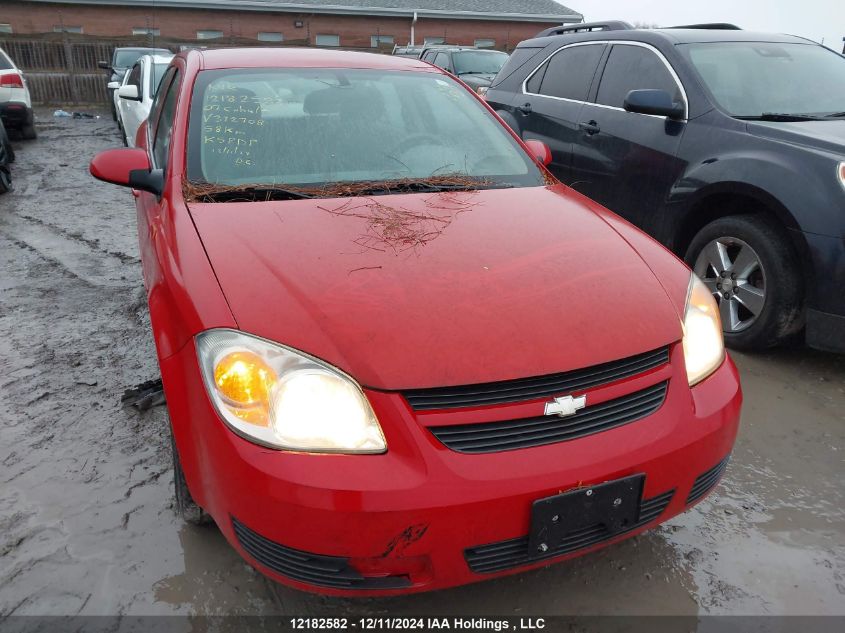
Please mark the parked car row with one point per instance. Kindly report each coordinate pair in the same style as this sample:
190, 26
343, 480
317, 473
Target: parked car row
122, 59
134, 80
398, 355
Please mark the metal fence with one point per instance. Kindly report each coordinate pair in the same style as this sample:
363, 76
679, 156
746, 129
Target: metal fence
61, 68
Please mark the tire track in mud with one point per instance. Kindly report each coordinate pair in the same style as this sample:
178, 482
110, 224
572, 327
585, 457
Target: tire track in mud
66, 251
86, 518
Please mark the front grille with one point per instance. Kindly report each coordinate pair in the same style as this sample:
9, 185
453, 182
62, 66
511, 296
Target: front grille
534, 388
514, 552
314, 569
488, 437
706, 481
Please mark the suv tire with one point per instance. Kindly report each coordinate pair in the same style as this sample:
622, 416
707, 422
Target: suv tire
28, 132
7, 145
756, 279
5, 179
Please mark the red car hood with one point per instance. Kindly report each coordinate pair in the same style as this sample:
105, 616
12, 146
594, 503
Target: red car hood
422, 290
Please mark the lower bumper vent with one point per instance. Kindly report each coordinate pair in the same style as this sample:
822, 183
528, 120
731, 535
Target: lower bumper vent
706, 481
503, 555
313, 569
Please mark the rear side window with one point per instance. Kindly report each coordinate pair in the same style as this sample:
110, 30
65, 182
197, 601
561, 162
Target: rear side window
570, 72
536, 80
516, 61
164, 128
134, 78
442, 60
633, 68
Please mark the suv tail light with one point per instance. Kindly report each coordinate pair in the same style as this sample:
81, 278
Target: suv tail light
11, 80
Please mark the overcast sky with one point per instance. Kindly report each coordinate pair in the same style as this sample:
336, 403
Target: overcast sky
815, 19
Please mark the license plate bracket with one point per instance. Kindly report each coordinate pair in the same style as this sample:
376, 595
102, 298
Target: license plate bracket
606, 509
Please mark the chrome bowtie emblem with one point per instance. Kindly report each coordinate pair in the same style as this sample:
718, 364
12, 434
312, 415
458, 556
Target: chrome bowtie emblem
565, 406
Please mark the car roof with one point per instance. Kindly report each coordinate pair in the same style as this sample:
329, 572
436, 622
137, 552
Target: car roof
464, 49
294, 57
671, 36
140, 48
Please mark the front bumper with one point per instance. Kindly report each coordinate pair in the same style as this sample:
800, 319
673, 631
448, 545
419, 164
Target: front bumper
15, 115
417, 517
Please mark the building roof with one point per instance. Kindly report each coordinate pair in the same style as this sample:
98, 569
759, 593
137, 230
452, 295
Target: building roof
510, 10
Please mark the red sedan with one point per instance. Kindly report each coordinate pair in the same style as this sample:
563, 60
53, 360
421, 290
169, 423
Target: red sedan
397, 354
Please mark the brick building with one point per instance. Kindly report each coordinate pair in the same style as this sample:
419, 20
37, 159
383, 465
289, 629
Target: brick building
351, 23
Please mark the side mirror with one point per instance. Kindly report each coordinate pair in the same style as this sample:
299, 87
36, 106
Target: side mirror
128, 92
113, 85
540, 151
104, 65
657, 102
127, 168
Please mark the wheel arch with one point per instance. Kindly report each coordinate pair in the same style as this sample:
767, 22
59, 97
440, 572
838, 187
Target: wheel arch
734, 198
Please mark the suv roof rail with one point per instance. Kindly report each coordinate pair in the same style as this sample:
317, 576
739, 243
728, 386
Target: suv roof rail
586, 27
714, 26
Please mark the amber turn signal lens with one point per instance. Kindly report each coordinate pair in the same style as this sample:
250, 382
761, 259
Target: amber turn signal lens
244, 379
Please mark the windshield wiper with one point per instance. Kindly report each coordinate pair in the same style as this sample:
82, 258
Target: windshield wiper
777, 116
835, 115
423, 186
250, 194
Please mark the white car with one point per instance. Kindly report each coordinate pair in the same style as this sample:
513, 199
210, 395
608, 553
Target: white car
15, 104
113, 87
136, 93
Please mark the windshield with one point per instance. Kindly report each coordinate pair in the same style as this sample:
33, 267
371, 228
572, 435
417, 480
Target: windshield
124, 59
127, 57
478, 62
321, 127
157, 72
750, 79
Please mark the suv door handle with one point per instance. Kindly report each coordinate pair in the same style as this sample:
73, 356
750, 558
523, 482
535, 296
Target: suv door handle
590, 127
525, 108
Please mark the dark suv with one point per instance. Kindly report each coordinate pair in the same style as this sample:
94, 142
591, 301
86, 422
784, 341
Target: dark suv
725, 145
474, 66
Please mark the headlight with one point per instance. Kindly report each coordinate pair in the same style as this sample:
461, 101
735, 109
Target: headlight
840, 171
704, 348
281, 398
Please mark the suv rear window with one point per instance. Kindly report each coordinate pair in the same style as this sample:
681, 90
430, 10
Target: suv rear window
5, 62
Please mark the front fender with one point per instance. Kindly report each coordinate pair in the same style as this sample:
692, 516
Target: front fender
797, 184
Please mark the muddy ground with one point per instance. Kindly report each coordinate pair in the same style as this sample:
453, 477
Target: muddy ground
87, 524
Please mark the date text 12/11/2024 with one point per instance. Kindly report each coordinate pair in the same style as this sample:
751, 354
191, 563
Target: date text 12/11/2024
419, 624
